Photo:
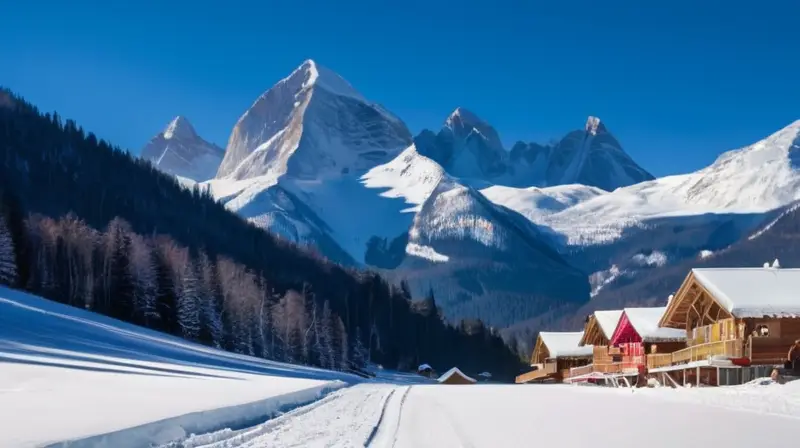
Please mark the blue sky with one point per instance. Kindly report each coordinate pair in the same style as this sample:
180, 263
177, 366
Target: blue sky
677, 82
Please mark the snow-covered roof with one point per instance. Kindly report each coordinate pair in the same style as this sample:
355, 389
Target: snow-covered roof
424, 367
753, 292
455, 371
607, 321
486, 374
645, 322
565, 344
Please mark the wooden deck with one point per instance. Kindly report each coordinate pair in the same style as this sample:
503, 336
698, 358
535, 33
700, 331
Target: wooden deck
657, 360
547, 370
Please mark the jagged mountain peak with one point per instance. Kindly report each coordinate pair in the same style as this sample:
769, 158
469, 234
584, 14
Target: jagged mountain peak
312, 124
463, 115
179, 151
179, 127
464, 123
595, 126
311, 74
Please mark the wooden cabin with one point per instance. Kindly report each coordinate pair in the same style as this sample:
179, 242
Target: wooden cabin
638, 336
455, 376
739, 323
554, 354
606, 360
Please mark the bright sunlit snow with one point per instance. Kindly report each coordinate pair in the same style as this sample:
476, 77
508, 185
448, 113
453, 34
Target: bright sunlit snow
69, 374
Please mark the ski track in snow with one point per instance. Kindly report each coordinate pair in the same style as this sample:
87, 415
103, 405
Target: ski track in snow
403, 416
346, 418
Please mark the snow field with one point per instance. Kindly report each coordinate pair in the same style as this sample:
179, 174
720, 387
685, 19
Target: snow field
70, 375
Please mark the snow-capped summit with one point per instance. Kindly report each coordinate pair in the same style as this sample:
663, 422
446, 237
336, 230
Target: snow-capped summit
179, 127
462, 123
466, 146
594, 125
593, 157
179, 151
309, 125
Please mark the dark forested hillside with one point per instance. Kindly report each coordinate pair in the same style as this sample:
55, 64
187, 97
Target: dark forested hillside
84, 223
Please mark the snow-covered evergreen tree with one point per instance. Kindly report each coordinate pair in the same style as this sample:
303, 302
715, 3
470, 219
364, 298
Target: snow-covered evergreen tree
8, 266
326, 333
359, 356
188, 301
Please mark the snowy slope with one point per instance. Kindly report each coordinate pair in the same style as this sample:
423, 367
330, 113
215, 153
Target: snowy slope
77, 374
179, 151
754, 179
484, 260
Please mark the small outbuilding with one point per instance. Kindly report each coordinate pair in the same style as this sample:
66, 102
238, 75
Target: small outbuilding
455, 376
425, 370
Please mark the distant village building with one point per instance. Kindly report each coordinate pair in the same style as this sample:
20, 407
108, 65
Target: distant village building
426, 370
455, 376
485, 376
553, 356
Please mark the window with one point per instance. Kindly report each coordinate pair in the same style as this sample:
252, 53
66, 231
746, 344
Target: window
762, 331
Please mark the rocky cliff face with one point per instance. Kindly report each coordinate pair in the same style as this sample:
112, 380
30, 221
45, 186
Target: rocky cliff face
179, 151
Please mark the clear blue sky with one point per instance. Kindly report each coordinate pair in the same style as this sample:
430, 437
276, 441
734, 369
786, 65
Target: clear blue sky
676, 81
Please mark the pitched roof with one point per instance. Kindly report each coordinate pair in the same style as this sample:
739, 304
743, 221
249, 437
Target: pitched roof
424, 367
455, 371
753, 292
607, 321
565, 344
645, 322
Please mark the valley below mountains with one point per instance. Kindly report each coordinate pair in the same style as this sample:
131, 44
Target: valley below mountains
523, 237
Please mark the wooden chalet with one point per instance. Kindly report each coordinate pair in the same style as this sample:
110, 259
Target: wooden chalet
638, 336
554, 354
606, 360
738, 322
455, 376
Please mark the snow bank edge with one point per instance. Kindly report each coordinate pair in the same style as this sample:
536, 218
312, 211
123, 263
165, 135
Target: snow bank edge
175, 429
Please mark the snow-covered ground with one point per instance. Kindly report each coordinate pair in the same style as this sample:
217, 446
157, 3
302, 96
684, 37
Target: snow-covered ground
68, 374
513, 415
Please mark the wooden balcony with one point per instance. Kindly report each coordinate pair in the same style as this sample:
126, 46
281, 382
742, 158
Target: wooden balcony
700, 352
657, 360
546, 370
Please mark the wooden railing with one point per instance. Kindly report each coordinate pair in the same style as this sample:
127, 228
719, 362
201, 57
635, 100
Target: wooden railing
608, 368
582, 370
699, 352
547, 369
656, 360
595, 368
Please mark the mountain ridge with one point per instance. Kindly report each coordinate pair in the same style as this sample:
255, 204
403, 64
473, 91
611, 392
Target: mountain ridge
317, 163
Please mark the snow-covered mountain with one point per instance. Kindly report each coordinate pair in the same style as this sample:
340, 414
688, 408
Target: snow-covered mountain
751, 180
312, 125
623, 236
179, 151
501, 235
469, 148
317, 163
